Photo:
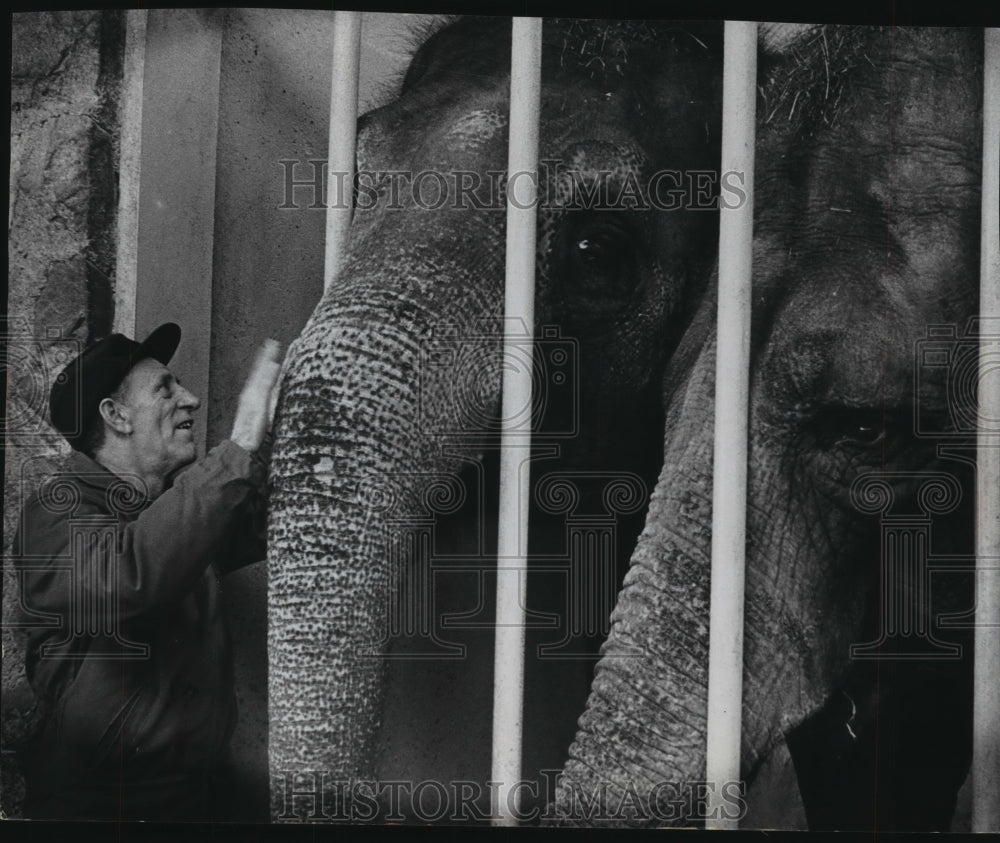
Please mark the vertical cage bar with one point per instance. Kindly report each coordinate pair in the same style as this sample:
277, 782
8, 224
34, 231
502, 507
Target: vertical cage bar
515, 451
343, 138
986, 708
732, 383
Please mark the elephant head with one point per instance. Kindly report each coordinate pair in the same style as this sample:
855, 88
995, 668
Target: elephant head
866, 243
400, 365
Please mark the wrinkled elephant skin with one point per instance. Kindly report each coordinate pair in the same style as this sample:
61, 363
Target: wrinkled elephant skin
365, 421
866, 233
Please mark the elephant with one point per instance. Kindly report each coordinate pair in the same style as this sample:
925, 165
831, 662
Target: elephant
866, 236
390, 397
857, 661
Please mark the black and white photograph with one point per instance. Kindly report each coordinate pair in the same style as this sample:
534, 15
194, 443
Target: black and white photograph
488, 421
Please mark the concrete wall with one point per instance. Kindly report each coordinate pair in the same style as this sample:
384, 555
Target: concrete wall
176, 196
274, 106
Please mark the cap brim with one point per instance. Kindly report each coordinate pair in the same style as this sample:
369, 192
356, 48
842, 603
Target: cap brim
161, 344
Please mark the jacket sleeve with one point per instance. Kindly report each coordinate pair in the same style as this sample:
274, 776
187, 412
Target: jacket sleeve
248, 541
155, 559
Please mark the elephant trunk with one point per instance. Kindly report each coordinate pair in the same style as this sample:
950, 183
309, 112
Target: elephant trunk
639, 754
641, 740
354, 453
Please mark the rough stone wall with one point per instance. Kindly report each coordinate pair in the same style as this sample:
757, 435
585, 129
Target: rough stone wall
65, 85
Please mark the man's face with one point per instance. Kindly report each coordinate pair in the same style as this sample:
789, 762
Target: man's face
162, 416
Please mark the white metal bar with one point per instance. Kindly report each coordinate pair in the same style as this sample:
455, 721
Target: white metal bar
732, 384
343, 138
515, 452
126, 260
986, 709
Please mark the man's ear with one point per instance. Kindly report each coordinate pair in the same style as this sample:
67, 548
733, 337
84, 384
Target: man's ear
116, 416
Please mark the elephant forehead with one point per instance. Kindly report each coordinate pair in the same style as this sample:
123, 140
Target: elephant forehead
474, 129
596, 157
594, 162
784, 37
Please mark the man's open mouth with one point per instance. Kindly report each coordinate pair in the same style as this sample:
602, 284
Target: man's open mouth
186, 425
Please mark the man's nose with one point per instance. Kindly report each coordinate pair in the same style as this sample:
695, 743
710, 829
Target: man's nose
189, 400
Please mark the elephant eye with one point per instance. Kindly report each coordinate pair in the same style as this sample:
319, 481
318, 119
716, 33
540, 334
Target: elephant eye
600, 252
863, 433
853, 427
601, 264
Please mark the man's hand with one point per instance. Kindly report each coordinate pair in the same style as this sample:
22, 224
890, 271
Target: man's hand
258, 399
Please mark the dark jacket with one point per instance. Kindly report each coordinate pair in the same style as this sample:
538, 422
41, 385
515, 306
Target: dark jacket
128, 653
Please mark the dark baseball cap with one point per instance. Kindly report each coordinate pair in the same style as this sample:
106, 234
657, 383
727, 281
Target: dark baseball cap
97, 372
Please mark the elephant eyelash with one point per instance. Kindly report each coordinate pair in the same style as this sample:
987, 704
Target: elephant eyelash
855, 428
600, 226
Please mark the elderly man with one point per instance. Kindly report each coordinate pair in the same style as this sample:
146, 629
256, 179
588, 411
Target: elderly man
121, 553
